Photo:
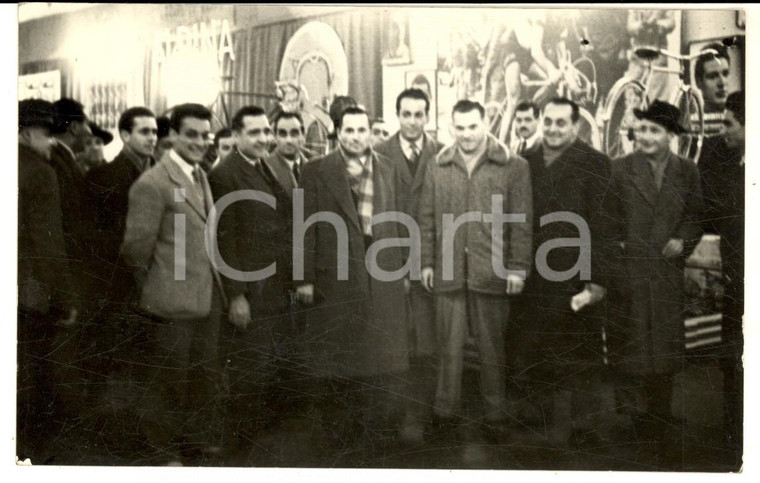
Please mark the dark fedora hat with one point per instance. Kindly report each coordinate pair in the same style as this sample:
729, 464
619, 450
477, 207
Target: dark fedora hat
104, 135
35, 113
664, 114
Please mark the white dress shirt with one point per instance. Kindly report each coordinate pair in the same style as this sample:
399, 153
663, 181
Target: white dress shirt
529, 143
186, 167
406, 146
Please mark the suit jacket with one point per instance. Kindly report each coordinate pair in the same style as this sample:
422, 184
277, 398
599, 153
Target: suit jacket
579, 181
151, 243
252, 235
283, 173
358, 326
411, 183
43, 271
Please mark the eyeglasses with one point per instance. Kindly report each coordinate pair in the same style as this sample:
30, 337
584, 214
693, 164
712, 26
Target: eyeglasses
378, 132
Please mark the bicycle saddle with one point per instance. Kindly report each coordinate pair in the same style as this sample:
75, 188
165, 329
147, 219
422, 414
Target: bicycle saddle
647, 53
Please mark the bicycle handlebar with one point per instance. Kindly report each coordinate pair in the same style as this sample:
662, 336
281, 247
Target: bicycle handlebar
651, 53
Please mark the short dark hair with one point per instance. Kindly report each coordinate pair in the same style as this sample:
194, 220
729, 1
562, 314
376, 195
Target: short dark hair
338, 105
67, 111
351, 111
187, 110
224, 132
288, 115
699, 64
375, 120
564, 101
163, 123
237, 119
525, 105
413, 93
127, 118
735, 104
466, 105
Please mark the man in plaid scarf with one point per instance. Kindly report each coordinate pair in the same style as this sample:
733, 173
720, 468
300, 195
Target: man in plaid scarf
355, 332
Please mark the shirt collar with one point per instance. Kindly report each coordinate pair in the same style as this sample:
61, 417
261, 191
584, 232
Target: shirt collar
185, 166
406, 145
254, 162
362, 159
299, 159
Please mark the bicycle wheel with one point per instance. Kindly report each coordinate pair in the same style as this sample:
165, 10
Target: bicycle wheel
690, 103
588, 130
618, 119
586, 92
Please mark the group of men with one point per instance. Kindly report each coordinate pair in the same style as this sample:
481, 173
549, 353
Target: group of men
355, 280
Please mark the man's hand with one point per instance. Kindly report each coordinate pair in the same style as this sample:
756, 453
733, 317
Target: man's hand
240, 312
597, 292
71, 320
427, 278
515, 284
673, 248
305, 294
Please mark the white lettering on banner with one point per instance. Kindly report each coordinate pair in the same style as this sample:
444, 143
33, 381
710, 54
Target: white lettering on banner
214, 36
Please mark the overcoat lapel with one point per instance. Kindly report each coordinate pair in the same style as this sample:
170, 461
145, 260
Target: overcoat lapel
335, 176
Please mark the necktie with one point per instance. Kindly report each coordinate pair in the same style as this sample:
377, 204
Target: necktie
415, 153
296, 172
197, 176
521, 148
198, 182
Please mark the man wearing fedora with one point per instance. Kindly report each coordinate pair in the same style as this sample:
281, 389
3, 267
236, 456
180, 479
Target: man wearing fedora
46, 307
662, 210
91, 156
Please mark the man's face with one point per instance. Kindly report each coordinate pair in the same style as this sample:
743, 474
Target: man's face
93, 148
226, 145
412, 118
559, 130
379, 133
652, 138
714, 81
191, 141
143, 136
733, 131
354, 134
39, 139
81, 130
289, 137
525, 123
469, 130
253, 139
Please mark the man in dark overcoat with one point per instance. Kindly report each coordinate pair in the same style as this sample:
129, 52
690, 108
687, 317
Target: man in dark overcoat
662, 214
356, 333
558, 331
46, 305
108, 197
